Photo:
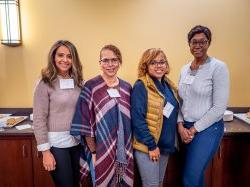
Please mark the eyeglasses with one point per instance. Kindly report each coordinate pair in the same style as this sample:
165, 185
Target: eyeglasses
113, 61
201, 43
160, 63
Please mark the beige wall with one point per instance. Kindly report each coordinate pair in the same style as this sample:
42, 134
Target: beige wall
132, 25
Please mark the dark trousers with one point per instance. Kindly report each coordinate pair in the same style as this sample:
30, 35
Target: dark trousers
67, 172
199, 152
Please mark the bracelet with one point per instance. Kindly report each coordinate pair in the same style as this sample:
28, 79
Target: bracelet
93, 152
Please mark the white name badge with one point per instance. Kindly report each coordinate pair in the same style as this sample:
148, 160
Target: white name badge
189, 79
67, 83
113, 93
168, 109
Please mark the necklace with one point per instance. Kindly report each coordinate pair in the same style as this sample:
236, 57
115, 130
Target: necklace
195, 64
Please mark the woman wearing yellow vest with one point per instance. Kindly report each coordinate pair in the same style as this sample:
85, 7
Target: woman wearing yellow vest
154, 112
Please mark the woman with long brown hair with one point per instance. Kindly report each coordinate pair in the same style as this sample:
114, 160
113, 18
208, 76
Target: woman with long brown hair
55, 99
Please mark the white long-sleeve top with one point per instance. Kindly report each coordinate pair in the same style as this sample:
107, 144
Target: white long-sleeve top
204, 100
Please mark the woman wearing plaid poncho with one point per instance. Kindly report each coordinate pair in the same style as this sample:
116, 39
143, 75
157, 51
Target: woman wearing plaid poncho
102, 118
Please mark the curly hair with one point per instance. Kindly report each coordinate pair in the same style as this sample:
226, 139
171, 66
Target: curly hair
148, 56
114, 49
200, 29
50, 72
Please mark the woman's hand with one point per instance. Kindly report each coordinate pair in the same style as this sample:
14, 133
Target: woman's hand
186, 135
49, 162
192, 131
154, 155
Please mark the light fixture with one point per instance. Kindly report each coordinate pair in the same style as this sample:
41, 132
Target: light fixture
10, 22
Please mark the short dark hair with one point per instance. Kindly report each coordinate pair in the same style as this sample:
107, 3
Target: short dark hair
114, 49
200, 29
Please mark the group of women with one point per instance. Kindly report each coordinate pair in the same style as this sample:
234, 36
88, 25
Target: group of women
104, 123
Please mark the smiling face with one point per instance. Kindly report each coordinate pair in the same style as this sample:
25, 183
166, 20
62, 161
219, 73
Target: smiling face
109, 63
158, 67
199, 45
63, 60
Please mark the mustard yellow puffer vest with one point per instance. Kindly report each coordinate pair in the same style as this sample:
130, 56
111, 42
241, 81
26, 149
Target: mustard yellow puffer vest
154, 116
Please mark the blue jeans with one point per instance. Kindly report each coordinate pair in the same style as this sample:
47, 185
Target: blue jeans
199, 152
152, 173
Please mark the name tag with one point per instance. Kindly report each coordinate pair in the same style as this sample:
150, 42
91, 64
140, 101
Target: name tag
189, 79
113, 93
168, 109
67, 83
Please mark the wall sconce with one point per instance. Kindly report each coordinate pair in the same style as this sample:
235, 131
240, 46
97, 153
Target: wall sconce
10, 22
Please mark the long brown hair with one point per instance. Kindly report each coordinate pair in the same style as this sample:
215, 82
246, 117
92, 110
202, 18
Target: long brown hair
49, 73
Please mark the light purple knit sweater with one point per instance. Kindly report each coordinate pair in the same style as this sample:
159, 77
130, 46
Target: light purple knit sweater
53, 109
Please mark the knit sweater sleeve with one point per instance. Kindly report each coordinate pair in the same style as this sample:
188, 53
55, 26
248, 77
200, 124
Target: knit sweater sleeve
180, 115
40, 115
219, 98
